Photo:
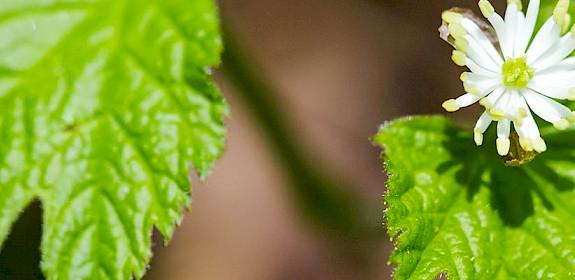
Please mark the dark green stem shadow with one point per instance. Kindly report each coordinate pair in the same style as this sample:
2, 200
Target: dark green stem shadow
324, 200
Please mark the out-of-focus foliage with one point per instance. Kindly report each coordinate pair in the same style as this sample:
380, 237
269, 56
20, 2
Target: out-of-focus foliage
456, 209
547, 7
105, 106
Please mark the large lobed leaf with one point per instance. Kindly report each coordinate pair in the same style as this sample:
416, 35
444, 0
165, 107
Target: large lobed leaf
456, 210
105, 106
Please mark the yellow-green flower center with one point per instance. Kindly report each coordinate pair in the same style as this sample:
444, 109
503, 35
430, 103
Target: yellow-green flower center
516, 73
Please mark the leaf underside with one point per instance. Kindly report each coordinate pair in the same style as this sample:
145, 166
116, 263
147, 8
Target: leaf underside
105, 107
455, 209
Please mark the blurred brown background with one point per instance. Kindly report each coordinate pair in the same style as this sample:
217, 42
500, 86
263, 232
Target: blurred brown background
339, 68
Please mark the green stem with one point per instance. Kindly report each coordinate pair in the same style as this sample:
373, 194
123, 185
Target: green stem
323, 199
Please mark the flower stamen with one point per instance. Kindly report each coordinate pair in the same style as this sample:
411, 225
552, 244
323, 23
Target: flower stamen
516, 73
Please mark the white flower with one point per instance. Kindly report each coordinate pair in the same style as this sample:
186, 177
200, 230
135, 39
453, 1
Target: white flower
518, 75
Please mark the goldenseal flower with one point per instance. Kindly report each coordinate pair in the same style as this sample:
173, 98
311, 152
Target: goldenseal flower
513, 73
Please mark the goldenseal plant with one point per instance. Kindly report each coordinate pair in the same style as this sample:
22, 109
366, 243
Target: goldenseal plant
106, 108
512, 71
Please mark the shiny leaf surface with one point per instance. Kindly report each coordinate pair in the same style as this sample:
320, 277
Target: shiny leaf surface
456, 210
105, 107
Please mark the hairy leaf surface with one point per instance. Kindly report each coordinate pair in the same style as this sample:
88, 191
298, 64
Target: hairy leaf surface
457, 210
105, 107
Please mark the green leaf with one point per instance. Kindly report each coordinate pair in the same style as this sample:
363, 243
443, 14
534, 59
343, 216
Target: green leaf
105, 107
455, 209
546, 10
